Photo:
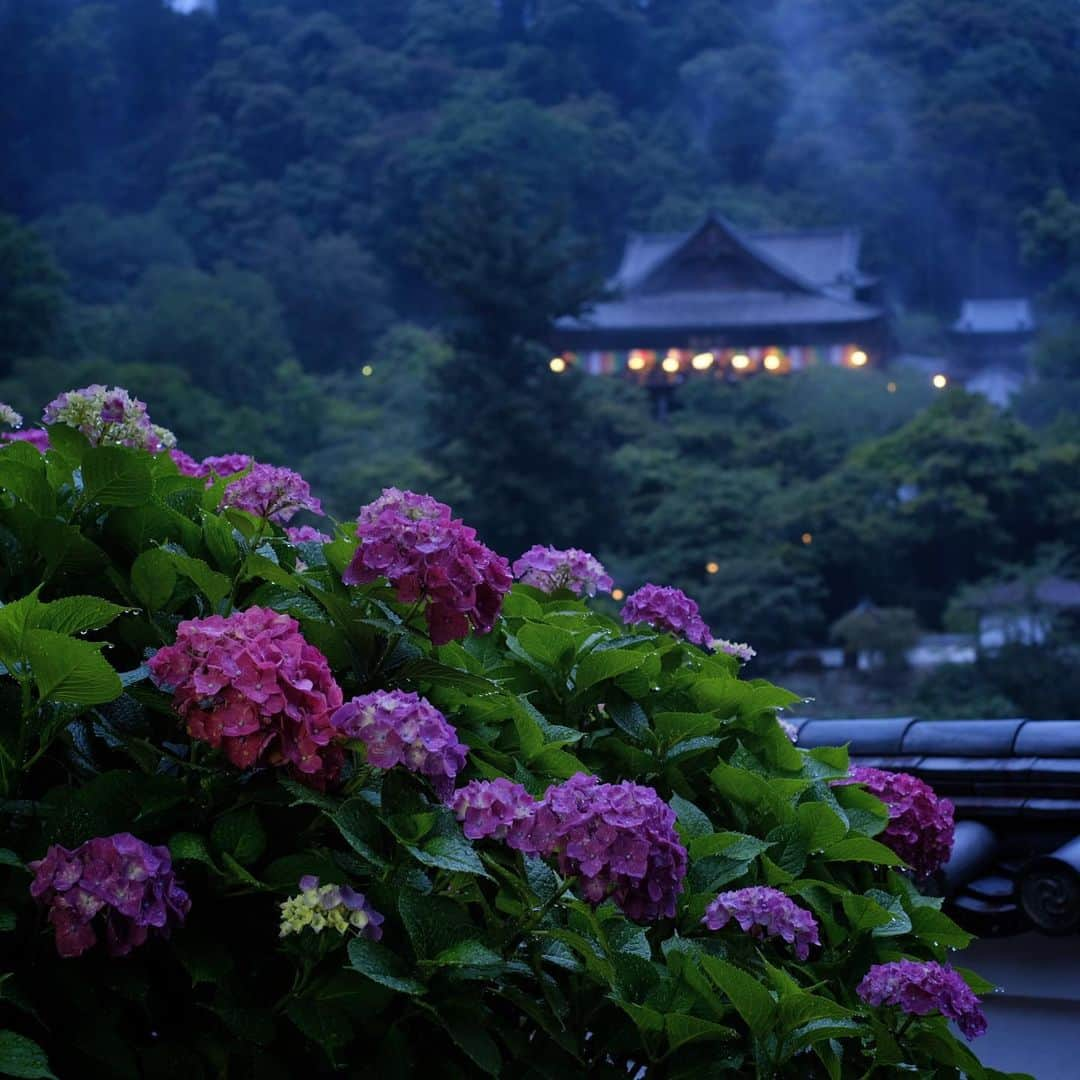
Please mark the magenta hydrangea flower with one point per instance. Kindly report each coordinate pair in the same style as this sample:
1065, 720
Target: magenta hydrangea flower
306, 534
108, 418
272, 493
118, 884
921, 826
250, 684
619, 839
765, 912
38, 438
548, 569
739, 649
497, 808
923, 987
226, 464
400, 728
414, 542
667, 608
187, 465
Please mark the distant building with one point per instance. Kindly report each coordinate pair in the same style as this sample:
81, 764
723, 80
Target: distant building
187, 7
991, 343
1024, 613
720, 302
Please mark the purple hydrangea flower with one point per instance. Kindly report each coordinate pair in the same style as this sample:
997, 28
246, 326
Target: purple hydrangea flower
306, 534
548, 569
334, 907
414, 542
400, 728
921, 825
226, 464
765, 912
250, 684
108, 418
118, 884
498, 808
619, 839
923, 987
272, 493
38, 438
667, 608
739, 649
187, 465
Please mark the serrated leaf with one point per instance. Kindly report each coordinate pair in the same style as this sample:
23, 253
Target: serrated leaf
68, 670
378, 963
819, 826
191, 846
116, 476
862, 849
751, 1000
213, 585
75, 614
598, 667
468, 954
691, 822
22, 1057
153, 578
240, 834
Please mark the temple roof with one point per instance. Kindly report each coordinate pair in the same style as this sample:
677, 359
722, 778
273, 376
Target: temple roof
717, 276
994, 317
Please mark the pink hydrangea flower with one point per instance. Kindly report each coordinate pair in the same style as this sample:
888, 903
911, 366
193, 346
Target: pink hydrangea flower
250, 684
498, 808
765, 912
548, 569
923, 987
619, 839
306, 534
414, 542
667, 608
400, 728
38, 438
921, 826
226, 464
272, 493
108, 418
117, 884
739, 649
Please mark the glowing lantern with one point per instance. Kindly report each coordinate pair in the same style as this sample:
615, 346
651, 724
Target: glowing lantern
807, 538
939, 382
772, 362
740, 361
858, 358
636, 361
557, 364
712, 568
703, 361
891, 388
670, 364
617, 594
366, 370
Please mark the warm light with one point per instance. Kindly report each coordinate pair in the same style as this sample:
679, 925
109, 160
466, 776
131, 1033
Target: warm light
557, 364
703, 361
636, 362
712, 568
772, 362
807, 538
617, 594
939, 382
367, 369
891, 388
670, 364
740, 361
859, 358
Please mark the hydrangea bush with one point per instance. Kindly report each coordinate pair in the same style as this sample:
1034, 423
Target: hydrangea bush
288, 798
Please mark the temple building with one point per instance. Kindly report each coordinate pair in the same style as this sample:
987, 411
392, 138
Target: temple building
723, 303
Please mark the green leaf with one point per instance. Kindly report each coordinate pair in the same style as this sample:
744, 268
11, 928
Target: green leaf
600, 666
819, 826
818, 1030
683, 1029
7, 919
800, 1008
29, 484
691, 822
153, 578
204, 958
9, 858
469, 1034
69, 670
449, 852
733, 845
751, 1000
379, 964
116, 476
22, 1057
549, 644
324, 1023
218, 535
862, 849
75, 614
14, 619
240, 834
468, 954
67, 442
630, 717
673, 727
899, 922
192, 847
214, 586
936, 928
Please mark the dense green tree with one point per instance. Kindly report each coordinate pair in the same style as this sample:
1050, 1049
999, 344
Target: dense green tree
31, 293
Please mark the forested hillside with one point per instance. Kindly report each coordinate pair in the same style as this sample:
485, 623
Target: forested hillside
331, 234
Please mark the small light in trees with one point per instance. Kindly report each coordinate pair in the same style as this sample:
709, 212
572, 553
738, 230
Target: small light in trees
557, 364
740, 361
671, 362
703, 361
859, 358
636, 361
712, 568
807, 538
772, 362
366, 370
939, 381
891, 387
617, 594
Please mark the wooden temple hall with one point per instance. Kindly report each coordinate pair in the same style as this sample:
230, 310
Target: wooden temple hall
717, 302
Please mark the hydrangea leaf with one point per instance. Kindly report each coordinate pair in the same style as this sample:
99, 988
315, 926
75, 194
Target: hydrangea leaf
23, 1058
